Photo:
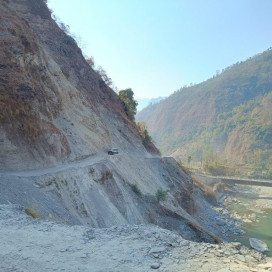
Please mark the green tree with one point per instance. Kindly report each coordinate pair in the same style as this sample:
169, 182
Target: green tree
144, 132
129, 103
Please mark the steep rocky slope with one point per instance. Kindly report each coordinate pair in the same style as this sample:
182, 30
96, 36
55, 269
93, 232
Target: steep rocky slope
224, 113
54, 107
57, 120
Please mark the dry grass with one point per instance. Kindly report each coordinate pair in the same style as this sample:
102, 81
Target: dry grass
106, 175
185, 200
207, 191
33, 213
16, 112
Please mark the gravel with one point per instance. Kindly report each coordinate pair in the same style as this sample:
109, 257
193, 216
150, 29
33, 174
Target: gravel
28, 244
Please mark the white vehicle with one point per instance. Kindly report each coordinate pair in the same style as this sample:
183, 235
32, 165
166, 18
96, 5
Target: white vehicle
113, 151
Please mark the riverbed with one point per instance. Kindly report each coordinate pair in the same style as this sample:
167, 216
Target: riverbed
253, 207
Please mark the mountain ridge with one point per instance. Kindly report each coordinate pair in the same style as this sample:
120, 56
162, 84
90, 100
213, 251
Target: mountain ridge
175, 121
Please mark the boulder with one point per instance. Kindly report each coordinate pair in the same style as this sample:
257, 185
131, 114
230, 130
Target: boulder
155, 266
258, 245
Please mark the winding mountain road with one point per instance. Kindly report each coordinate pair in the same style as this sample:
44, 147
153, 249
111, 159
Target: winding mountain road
88, 161
58, 168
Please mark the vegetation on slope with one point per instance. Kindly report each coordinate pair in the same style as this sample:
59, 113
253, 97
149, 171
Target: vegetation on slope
248, 126
228, 114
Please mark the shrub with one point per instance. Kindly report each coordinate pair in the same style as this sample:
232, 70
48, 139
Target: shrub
128, 102
135, 189
207, 191
141, 126
185, 199
106, 175
107, 80
161, 195
33, 213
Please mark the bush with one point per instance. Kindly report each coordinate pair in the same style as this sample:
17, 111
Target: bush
269, 173
141, 126
208, 192
135, 189
128, 102
161, 195
33, 213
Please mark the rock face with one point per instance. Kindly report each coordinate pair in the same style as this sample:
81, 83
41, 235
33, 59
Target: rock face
54, 107
58, 119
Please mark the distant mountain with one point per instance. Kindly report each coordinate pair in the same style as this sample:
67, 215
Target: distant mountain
228, 117
144, 102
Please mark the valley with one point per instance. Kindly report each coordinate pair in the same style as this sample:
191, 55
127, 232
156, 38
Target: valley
250, 202
223, 124
67, 205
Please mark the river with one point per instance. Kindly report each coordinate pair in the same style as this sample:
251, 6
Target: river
257, 222
251, 205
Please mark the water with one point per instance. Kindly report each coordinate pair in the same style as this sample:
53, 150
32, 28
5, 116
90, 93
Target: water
261, 230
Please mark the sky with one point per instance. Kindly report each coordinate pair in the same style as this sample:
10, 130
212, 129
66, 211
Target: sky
157, 46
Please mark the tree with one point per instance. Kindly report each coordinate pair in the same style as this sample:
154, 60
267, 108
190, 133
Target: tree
91, 62
129, 103
144, 132
102, 73
104, 76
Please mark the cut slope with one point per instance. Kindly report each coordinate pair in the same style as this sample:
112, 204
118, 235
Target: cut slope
54, 107
57, 120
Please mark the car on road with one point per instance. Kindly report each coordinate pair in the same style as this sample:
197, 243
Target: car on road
113, 151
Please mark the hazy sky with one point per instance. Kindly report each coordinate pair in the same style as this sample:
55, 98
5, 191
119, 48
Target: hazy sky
157, 46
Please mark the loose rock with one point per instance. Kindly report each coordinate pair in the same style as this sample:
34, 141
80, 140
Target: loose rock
155, 265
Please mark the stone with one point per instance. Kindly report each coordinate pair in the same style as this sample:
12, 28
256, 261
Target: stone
223, 270
241, 258
237, 245
258, 245
85, 255
157, 250
265, 266
155, 266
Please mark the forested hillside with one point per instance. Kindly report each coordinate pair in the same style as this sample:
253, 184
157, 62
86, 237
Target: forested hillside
225, 120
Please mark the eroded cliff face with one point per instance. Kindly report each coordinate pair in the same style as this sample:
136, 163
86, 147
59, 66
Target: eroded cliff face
54, 107
57, 120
